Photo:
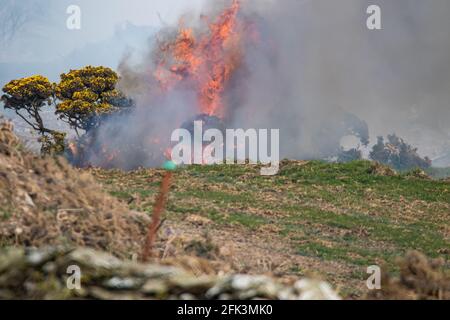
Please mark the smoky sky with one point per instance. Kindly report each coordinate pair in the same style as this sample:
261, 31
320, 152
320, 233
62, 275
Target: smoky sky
317, 62
43, 35
396, 79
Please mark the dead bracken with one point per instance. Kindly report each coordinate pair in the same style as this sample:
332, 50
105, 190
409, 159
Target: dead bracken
420, 278
45, 201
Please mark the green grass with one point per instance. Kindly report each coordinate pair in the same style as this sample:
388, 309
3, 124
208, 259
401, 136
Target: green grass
217, 196
252, 222
339, 253
328, 212
354, 178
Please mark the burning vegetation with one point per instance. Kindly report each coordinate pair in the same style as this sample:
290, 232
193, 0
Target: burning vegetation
334, 218
203, 67
203, 62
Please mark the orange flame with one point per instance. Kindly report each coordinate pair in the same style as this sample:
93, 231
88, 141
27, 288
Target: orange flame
208, 60
73, 148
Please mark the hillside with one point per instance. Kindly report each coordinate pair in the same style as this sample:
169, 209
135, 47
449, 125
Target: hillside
313, 220
54, 217
332, 220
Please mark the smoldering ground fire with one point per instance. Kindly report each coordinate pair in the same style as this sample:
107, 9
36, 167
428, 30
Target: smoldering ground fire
211, 147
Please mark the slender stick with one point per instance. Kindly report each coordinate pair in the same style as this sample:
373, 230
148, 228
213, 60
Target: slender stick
156, 216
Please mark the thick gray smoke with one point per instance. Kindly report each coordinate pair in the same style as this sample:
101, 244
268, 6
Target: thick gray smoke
318, 73
326, 62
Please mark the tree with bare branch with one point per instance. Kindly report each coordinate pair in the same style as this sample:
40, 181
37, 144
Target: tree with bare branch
14, 15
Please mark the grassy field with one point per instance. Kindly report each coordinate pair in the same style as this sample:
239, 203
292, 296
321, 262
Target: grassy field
332, 220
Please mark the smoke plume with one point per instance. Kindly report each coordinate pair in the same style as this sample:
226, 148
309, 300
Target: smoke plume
314, 71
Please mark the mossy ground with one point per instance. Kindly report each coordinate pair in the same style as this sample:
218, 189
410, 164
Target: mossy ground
331, 219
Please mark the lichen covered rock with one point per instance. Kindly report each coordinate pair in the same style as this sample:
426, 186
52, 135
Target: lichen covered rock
45, 274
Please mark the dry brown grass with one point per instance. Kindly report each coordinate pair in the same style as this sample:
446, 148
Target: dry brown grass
45, 201
420, 278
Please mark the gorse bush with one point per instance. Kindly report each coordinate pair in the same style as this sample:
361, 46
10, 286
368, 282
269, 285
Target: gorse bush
83, 98
395, 152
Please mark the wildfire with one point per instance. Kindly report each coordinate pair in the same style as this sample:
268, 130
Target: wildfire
202, 60
73, 148
205, 61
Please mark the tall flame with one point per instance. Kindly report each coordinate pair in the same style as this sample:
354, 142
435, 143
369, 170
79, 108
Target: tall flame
205, 61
